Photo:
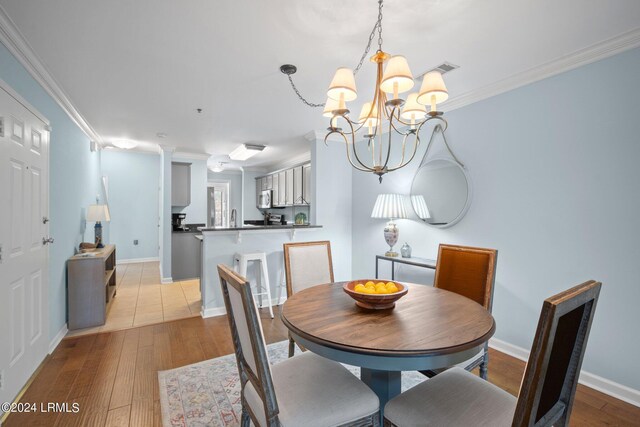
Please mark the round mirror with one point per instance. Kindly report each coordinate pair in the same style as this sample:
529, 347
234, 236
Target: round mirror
441, 192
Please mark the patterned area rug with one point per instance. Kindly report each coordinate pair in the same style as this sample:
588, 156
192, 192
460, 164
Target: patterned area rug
208, 393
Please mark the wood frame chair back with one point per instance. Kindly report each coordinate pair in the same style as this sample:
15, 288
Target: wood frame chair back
467, 271
290, 248
248, 342
549, 384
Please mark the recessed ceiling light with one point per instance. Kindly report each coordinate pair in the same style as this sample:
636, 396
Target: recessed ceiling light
125, 144
245, 151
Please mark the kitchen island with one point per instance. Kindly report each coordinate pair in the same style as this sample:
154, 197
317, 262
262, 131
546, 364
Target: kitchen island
220, 244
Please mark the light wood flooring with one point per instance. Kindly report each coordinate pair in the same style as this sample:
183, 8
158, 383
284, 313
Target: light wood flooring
113, 375
141, 299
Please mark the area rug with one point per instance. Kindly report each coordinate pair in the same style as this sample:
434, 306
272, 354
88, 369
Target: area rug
208, 393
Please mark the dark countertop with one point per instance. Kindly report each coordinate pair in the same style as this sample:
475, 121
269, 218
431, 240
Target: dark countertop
260, 227
192, 228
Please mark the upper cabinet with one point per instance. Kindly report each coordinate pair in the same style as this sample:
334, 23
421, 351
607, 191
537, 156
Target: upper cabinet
290, 187
180, 184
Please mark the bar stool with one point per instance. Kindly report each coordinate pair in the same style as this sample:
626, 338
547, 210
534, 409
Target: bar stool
240, 262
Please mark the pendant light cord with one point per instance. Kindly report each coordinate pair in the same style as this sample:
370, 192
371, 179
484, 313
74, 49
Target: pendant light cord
377, 27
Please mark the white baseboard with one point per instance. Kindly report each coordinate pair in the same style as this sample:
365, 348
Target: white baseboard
136, 260
220, 311
56, 340
611, 388
166, 280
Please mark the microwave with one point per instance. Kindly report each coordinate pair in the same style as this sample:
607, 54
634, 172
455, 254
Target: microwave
264, 199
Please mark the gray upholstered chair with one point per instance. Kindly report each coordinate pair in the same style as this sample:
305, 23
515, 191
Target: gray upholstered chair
470, 272
305, 390
306, 264
459, 398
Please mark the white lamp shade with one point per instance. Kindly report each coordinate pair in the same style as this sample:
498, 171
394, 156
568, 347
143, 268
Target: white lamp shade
343, 83
420, 207
330, 106
97, 213
397, 71
432, 84
412, 109
389, 206
367, 113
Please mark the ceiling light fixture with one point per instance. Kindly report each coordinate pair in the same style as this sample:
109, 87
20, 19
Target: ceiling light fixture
404, 118
218, 167
245, 151
124, 144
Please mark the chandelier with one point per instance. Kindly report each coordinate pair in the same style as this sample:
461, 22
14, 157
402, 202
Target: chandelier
384, 110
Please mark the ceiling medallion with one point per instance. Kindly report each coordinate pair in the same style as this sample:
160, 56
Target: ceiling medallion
402, 117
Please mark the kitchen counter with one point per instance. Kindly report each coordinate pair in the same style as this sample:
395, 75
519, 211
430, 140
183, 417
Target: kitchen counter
259, 227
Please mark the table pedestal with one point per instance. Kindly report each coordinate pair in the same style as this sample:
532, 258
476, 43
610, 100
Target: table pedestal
385, 384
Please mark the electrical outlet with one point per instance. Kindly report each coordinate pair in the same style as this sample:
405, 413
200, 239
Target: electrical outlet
135, 242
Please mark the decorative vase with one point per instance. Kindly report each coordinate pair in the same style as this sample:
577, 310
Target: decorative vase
405, 250
391, 233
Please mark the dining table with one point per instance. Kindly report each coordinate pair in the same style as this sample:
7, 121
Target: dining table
428, 329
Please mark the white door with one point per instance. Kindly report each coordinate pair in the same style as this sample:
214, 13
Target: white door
24, 211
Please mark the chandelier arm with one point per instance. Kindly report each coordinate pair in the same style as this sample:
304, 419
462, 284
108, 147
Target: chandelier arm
386, 162
355, 151
415, 151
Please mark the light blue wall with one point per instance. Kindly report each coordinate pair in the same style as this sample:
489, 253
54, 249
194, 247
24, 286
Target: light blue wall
197, 210
556, 190
74, 182
133, 202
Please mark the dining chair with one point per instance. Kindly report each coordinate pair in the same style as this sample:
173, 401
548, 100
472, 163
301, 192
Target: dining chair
459, 398
306, 264
304, 390
470, 272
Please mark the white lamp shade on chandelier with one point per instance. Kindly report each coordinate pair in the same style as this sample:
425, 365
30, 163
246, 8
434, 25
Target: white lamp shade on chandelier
420, 207
368, 114
97, 213
413, 110
389, 206
433, 89
329, 106
343, 86
397, 77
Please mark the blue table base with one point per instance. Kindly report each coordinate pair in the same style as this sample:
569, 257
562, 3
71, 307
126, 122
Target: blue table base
386, 384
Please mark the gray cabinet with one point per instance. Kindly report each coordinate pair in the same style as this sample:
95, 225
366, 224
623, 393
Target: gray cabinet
180, 184
269, 179
288, 185
297, 186
306, 183
275, 188
258, 190
282, 188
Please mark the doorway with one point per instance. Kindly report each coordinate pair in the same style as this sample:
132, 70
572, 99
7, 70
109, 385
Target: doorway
218, 204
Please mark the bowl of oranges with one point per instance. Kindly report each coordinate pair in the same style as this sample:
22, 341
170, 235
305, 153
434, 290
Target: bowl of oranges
375, 294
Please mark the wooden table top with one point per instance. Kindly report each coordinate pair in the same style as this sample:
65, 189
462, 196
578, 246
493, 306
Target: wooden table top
427, 321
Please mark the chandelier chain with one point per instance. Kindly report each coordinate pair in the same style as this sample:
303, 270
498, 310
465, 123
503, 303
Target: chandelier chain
377, 27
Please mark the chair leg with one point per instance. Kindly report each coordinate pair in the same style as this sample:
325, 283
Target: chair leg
245, 420
484, 366
292, 347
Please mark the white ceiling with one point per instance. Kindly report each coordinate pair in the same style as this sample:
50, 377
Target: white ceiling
136, 68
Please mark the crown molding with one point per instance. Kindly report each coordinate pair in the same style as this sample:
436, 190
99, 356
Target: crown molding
191, 156
593, 53
16, 43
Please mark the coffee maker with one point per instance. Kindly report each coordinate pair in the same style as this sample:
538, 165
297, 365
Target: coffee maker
177, 222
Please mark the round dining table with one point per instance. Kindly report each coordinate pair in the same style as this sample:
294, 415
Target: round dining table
428, 329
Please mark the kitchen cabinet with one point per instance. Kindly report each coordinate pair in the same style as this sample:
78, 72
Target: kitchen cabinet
282, 188
269, 179
297, 186
258, 190
306, 183
275, 187
180, 184
288, 184
264, 183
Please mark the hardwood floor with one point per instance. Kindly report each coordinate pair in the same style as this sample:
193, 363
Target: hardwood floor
113, 375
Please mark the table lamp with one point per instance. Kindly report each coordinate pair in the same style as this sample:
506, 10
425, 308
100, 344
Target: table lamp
390, 206
97, 214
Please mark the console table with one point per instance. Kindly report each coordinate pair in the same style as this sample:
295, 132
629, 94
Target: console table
91, 283
416, 262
